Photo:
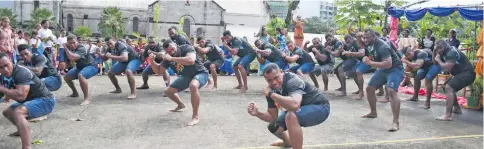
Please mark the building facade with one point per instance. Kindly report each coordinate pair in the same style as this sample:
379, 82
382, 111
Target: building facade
278, 7
327, 10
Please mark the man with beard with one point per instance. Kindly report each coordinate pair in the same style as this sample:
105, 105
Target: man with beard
245, 52
40, 66
33, 98
152, 47
301, 104
85, 68
389, 71
456, 62
420, 62
214, 58
192, 74
127, 62
177, 38
269, 53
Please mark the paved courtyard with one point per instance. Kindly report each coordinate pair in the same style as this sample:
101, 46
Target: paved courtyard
112, 122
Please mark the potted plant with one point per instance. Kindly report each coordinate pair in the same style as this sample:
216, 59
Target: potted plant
475, 100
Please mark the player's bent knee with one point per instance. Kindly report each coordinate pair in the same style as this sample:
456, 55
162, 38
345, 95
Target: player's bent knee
20, 111
240, 67
194, 85
212, 67
370, 88
273, 127
6, 113
291, 116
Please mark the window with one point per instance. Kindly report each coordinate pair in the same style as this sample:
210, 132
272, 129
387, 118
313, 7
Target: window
135, 24
70, 22
186, 26
36, 4
85, 16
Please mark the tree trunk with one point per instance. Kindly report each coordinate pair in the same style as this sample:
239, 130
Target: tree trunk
292, 6
114, 33
387, 5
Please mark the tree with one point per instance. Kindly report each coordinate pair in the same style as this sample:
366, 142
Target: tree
316, 26
82, 31
363, 12
156, 17
38, 15
273, 24
7, 12
112, 22
292, 6
180, 31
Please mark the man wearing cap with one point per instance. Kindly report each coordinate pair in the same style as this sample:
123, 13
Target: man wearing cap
245, 52
152, 47
127, 62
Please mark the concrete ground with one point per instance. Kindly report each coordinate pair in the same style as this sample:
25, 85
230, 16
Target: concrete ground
112, 122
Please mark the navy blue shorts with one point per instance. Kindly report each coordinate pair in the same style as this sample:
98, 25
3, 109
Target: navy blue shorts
307, 115
37, 107
245, 61
392, 78
429, 73
87, 72
183, 82
305, 68
120, 67
53, 83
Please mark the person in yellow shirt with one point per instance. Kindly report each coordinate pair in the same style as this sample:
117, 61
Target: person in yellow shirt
480, 54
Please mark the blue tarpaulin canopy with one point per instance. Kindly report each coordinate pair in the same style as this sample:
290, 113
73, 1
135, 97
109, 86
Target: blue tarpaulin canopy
417, 14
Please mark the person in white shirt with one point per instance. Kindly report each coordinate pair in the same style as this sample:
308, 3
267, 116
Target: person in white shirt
18, 41
36, 44
48, 40
62, 58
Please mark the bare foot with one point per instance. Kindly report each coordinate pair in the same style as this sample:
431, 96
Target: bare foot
178, 108
187, 90
395, 127
280, 143
214, 88
425, 107
343, 93
132, 96
15, 134
444, 118
380, 93
357, 92
456, 110
238, 87
73, 95
338, 89
117, 91
164, 95
210, 83
143, 87
325, 88
243, 89
412, 99
360, 96
37, 119
370, 115
384, 100
86, 102
193, 122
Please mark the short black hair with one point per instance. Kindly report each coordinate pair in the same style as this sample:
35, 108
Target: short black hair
22, 47
199, 38
271, 67
20, 32
441, 42
406, 30
370, 31
348, 37
428, 29
453, 31
71, 37
34, 32
167, 43
384, 29
3, 54
107, 39
278, 29
257, 42
227, 32
405, 50
172, 27
43, 22
62, 30
327, 36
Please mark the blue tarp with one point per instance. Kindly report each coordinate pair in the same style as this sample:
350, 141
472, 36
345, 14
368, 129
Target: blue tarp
417, 14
